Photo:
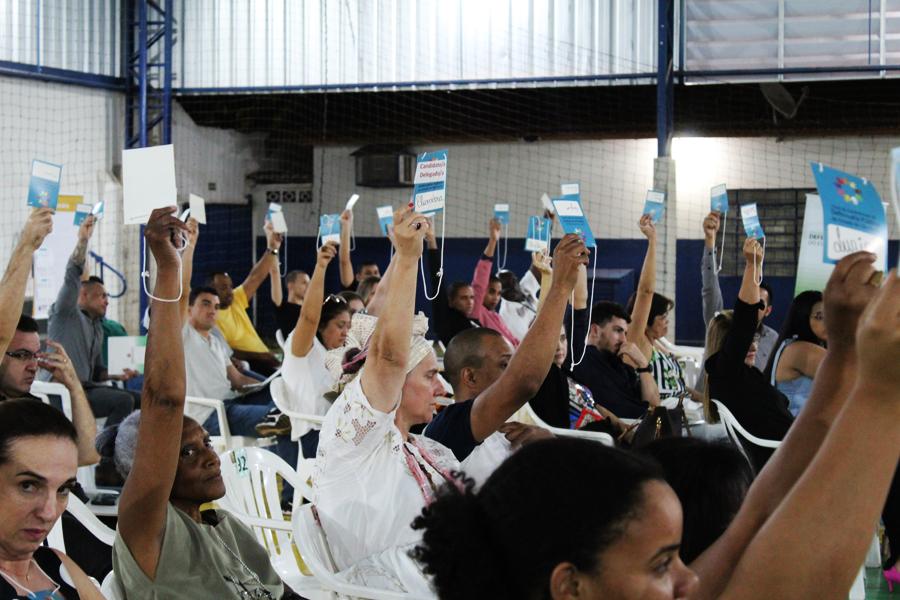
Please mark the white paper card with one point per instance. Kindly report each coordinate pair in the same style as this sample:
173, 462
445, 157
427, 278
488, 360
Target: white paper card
198, 208
548, 204
279, 225
148, 176
352, 201
569, 189
126, 352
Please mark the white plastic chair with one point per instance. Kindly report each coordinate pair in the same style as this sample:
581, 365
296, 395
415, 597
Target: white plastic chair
736, 432
310, 538
224, 441
694, 352
527, 415
112, 587
83, 515
279, 337
279, 391
251, 495
45, 389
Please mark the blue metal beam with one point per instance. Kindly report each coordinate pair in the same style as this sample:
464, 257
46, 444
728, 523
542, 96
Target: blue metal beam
92, 80
665, 89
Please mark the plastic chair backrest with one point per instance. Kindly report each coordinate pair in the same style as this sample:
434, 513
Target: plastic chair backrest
112, 587
597, 436
279, 337
45, 389
279, 391
313, 546
736, 431
83, 515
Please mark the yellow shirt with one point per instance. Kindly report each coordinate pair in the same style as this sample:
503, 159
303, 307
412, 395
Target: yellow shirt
236, 326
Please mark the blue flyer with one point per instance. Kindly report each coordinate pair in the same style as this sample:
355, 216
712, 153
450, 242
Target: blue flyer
750, 218
43, 189
330, 229
501, 213
718, 199
853, 215
81, 213
430, 184
385, 218
655, 205
572, 218
538, 239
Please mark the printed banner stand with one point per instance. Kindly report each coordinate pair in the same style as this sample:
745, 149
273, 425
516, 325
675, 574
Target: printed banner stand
655, 205
852, 214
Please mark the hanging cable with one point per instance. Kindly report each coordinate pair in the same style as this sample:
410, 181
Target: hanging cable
722, 247
440, 271
590, 316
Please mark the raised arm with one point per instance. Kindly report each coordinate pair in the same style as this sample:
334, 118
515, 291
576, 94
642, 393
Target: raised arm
740, 337
385, 370
187, 267
482, 275
837, 500
529, 364
67, 298
308, 322
144, 500
711, 293
540, 262
846, 296
59, 365
260, 270
12, 286
275, 286
347, 275
646, 286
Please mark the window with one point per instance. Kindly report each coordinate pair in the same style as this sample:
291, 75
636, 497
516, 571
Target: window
781, 214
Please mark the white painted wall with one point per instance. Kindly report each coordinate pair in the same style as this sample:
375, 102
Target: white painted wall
82, 129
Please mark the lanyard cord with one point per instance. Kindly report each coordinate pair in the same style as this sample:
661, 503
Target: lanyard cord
502, 264
757, 274
422, 477
722, 247
440, 271
590, 315
145, 272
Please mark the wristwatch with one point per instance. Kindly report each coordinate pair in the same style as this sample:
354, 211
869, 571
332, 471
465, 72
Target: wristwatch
647, 369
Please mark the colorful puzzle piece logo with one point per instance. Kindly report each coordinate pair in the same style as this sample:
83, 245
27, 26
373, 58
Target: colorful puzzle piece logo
847, 190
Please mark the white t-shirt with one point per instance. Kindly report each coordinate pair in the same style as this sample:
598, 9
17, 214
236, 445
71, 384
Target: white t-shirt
366, 495
206, 361
307, 381
518, 316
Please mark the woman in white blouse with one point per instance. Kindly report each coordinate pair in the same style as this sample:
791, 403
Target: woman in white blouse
372, 476
322, 326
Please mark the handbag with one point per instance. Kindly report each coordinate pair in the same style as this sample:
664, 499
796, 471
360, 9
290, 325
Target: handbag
660, 422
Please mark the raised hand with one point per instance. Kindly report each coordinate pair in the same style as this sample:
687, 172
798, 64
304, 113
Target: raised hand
878, 339
711, 228
409, 232
86, 228
850, 289
541, 262
496, 230
647, 227
569, 255
58, 364
753, 251
430, 237
631, 350
325, 254
37, 227
346, 218
163, 233
193, 232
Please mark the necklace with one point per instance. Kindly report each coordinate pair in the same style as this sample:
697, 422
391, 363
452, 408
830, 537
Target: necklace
262, 593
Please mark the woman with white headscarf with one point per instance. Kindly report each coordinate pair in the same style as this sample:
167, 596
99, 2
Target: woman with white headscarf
374, 477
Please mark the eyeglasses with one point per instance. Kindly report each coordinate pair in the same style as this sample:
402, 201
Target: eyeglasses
23, 355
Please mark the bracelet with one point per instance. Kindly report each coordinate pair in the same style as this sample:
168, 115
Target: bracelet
647, 369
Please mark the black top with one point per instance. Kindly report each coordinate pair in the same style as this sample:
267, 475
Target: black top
452, 427
286, 317
50, 563
614, 385
446, 320
551, 403
758, 407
